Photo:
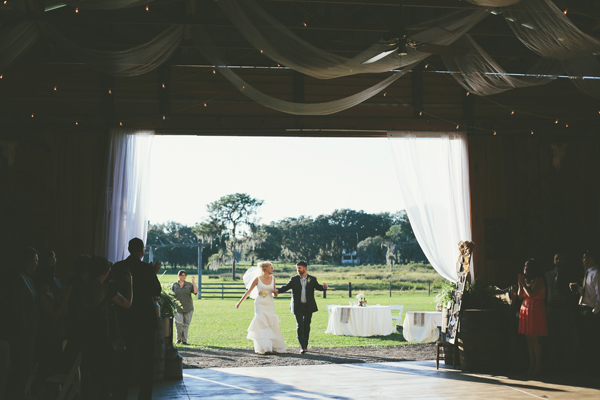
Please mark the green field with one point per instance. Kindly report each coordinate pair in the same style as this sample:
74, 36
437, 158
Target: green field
217, 323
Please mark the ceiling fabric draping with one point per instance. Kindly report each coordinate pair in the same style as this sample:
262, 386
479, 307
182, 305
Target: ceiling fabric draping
284, 47
547, 31
539, 24
16, 41
204, 45
105, 4
481, 75
137, 60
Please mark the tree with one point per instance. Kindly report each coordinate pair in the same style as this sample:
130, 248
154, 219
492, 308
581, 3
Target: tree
232, 211
370, 250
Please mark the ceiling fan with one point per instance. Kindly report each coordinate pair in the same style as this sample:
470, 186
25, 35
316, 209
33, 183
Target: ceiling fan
401, 43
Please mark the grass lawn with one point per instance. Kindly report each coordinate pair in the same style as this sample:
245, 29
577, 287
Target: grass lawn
217, 323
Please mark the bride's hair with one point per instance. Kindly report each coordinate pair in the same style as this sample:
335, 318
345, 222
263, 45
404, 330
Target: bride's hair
264, 265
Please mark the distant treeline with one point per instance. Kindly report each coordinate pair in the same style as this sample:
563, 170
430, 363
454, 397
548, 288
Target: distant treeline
383, 238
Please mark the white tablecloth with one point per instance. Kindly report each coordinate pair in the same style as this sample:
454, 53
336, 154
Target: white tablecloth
422, 327
361, 321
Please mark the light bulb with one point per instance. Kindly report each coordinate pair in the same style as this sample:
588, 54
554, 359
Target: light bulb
494, 133
204, 104
147, 8
512, 112
76, 10
121, 123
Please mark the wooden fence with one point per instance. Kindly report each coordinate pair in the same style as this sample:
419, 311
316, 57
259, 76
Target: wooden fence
235, 290
227, 290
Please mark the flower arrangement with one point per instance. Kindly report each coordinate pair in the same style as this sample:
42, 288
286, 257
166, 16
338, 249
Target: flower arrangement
362, 302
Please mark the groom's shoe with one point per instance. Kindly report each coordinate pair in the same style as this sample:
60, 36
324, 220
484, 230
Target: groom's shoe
303, 351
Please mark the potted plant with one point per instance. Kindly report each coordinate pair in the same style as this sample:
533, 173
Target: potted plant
168, 306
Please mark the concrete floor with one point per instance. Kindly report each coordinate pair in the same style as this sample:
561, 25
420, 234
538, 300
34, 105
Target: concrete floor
405, 380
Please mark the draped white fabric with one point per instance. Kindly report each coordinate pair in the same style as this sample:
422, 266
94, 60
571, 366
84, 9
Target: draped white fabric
547, 31
433, 172
204, 44
125, 212
105, 4
137, 60
481, 75
16, 41
280, 44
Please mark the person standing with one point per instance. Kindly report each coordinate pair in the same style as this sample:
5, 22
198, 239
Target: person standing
532, 316
264, 329
303, 303
23, 314
589, 317
561, 305
139, 323
183, 293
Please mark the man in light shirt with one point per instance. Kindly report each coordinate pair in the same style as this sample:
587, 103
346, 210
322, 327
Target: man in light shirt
589, 307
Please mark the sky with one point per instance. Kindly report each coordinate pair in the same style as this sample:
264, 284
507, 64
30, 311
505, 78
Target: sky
294, 176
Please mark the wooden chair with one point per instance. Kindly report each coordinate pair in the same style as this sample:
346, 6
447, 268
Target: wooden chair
444, 346
398, 319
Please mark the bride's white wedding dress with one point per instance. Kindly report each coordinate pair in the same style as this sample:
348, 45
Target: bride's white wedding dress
264, 328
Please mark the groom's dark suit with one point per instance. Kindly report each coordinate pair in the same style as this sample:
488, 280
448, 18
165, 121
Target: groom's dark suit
302, 311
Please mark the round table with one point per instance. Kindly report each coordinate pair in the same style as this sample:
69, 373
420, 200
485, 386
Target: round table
360, 321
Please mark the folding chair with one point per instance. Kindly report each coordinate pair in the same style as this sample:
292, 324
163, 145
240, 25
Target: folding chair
70, 383
398, 319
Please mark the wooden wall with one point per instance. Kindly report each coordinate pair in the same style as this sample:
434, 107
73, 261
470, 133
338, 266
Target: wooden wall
523, 206
49, 197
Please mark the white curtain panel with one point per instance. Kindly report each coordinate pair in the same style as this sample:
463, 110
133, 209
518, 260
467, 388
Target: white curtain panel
433, 173
125, 212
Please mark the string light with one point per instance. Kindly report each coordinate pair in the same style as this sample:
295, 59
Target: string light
566, 125
120, 123
31, 115
556, 122
532, 132
147, 8
494, 133
109, 91
261, 51
304, 24
76, 122
163, 85
426, 65
1, 76
204, 104
214, 72
512, 112
468, 93
384, 94
55, 88
5, 1
457, 126
565, 12
420, 113
76, 10
164, 117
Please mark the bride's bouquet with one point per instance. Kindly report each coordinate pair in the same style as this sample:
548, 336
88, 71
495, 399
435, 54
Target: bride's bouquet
362, 302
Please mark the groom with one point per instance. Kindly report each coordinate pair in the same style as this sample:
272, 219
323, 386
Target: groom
303, 301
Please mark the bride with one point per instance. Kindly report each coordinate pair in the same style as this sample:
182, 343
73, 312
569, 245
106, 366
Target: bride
264, 328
